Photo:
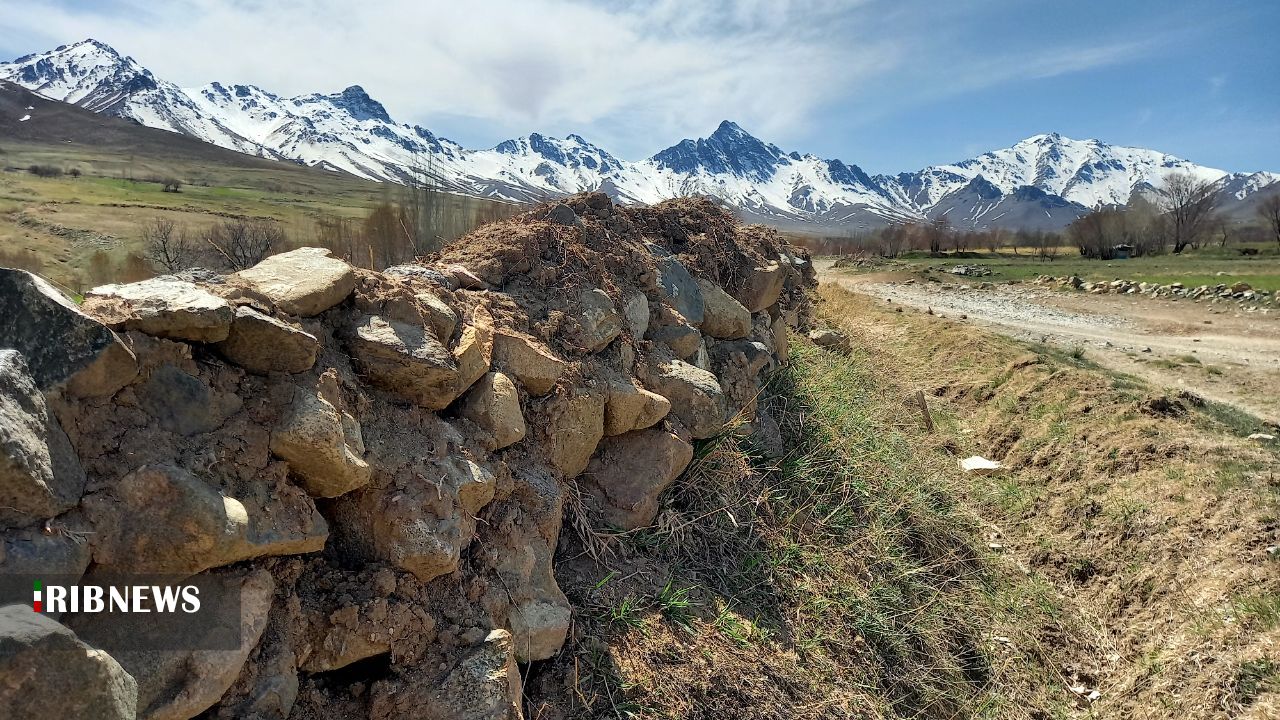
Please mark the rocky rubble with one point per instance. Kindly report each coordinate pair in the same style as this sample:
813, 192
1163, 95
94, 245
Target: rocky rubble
1240, 293
378, 462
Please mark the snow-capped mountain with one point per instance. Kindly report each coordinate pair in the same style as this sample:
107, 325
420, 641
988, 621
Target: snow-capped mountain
1044, 181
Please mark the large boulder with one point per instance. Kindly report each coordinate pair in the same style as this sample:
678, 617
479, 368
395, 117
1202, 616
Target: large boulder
190, 526
305, 282
530, 362
177, 684
164, 307
599, 322
493, 403
762, 287
262, 344
676, 286
574, 424
483, 684
631, 471
695, 395
683, 339
40, 475
60, 343
725, 318
322, 445
45, 671
631, 407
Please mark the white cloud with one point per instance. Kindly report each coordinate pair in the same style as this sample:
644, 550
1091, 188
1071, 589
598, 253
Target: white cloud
637, 74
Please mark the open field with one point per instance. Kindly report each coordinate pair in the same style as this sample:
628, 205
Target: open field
1206, 266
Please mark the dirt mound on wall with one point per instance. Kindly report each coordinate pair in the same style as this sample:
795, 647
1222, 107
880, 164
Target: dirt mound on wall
381, 459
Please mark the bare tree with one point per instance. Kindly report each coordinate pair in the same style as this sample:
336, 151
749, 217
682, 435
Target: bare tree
168, 246
1269, 209
242, 244
1189, 203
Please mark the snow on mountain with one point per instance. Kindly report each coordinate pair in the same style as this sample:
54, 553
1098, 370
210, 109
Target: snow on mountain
1044, 181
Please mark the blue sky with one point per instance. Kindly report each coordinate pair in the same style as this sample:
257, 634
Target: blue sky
888, 85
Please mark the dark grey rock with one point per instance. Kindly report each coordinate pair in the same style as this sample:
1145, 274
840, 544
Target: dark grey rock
677, 286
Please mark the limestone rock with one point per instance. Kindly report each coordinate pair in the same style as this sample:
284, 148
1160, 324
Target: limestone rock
262, 344
164, 307
681, 338
631, 407
442, 319
832, 340
632, 470
781, 341
762, 287
695, 396
599, 321
305, 282
575, 425
536, 367
40, 475
60, 343
636, 313
180, 684
474, 352
724, 318
405, 359
539, 628
190, 526
322, 446
493, 403
422, 526
484, 684
677, 287
48, 672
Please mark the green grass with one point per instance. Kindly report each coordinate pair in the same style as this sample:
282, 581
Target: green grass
1207, 266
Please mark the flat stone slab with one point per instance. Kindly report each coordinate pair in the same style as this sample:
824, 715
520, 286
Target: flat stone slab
305, 282
163, 307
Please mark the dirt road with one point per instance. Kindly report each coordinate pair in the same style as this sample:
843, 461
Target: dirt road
1216, 351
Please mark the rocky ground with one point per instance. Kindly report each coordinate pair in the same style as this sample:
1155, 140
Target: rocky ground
378, 462
1219, 350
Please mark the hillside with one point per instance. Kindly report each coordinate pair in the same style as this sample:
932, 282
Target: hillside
1042, 182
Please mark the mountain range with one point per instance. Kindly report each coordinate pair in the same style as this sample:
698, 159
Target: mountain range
1043, 182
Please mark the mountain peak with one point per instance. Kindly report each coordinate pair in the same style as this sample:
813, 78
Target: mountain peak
359, 105
729, 127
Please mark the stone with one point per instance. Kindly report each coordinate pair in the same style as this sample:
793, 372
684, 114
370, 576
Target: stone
631, 471
423, 528
60, 343
442, 319
536, 367
464, 278
322, 446
631, 407
190, 526
1262, 437
262, 344
183, 403
781, 341
832, 340
1241, 287
163, 307
762, 287
695, 395
181, 684
474, 352
574, 424
599, 321
562, 214
30, 551
636, 313
539, 628
677, 287
304, 282
405, 359
40, 475
724, 318
681, 338
493, 403
47, 671
482, 684
978, 465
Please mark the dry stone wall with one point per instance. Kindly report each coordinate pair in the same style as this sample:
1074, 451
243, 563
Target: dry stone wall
377, 461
